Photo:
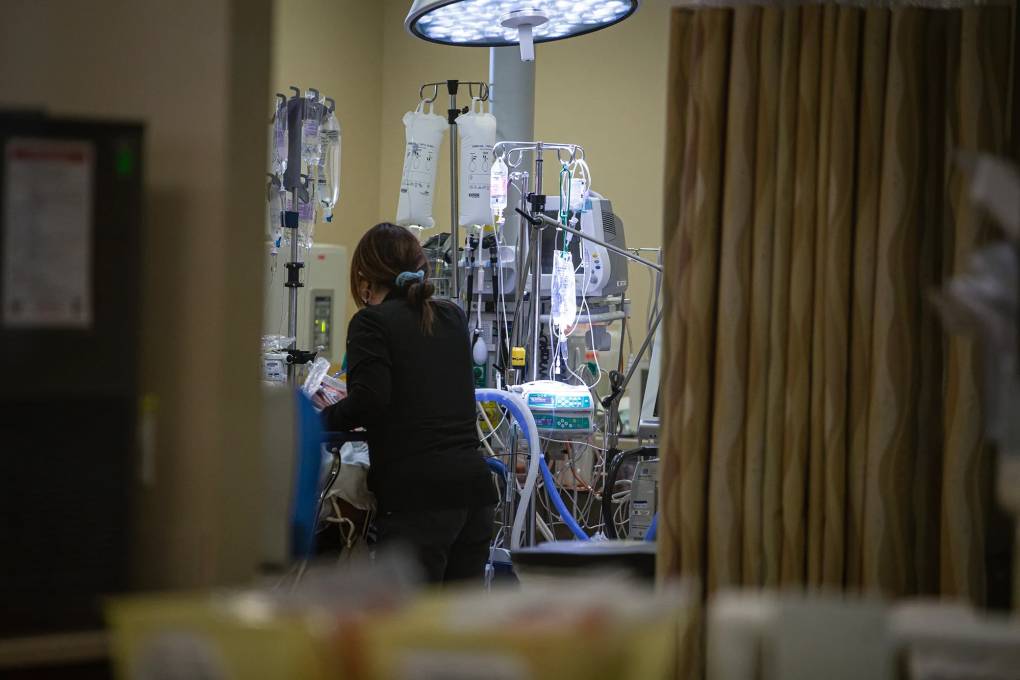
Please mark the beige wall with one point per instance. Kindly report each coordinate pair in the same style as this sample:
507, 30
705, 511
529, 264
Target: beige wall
605, 91
195, 72
336, 46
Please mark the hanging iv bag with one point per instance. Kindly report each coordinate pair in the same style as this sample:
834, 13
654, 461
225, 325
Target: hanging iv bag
281, 140
564, 293
499, 178
275, 200
306, 224
579, 194
328, 178
476, 132
423, 132
310, 114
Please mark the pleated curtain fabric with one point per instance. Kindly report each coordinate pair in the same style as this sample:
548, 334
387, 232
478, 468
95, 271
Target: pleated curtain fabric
820, 427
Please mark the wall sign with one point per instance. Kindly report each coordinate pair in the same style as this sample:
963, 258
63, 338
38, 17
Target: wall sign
47, 234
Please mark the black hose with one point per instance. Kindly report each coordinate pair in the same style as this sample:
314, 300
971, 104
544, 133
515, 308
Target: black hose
470, 275
544, 355
501, 353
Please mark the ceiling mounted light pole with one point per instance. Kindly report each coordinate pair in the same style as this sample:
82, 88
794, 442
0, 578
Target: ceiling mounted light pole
499, 23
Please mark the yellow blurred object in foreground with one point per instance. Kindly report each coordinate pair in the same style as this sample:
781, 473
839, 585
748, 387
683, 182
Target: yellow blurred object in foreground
221, 638
595, 629
517, 635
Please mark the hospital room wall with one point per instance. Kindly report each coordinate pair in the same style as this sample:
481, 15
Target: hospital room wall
336, 46
192, 71
605, 91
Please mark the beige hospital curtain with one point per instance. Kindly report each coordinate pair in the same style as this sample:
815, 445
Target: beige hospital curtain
820, 428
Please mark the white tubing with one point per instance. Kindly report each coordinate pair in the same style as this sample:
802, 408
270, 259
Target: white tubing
519, 409
591, 318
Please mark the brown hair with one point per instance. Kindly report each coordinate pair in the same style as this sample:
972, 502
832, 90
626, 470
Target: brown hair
383, 253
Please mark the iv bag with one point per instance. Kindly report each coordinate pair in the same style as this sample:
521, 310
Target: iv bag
564, 300
311, 111
275, 200
281, 140
316, 372
306, 226
498, 180
274, 206
578, 194
306, 223
477, 136
328, 179
423, 133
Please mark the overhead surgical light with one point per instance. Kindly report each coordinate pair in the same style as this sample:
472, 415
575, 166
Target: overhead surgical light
498, 23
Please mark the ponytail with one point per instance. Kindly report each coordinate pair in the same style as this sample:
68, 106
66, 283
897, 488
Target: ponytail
419, 294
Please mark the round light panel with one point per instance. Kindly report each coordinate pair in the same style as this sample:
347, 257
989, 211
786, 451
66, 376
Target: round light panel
490, 23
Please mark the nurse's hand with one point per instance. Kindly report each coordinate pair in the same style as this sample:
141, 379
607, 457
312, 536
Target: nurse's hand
319, 401
327, 396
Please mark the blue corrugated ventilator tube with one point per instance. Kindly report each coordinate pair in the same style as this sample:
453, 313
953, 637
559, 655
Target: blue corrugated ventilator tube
520, 412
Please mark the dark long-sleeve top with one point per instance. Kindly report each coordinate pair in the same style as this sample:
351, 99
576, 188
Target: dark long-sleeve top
414, 395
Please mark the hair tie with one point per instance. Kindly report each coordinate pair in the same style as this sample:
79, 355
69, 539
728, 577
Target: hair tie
407, 278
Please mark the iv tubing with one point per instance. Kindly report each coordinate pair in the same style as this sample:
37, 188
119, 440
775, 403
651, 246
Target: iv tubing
497, 467
519, 409
557, 501
592, 318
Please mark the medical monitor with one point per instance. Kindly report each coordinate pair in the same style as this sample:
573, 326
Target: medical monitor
600, 272
648, 425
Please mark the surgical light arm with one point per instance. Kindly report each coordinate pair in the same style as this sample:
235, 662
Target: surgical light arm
550, 222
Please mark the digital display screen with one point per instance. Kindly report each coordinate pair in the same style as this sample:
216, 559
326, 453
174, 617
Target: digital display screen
322, 321
540, 400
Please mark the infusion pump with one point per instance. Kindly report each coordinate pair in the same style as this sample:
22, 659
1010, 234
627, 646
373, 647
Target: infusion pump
322, 309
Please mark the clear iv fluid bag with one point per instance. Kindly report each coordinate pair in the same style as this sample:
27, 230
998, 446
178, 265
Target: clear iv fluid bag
310, 130
281, 140
316, 372
328, 179
499, 176
578, 194
564, 293
306, 223
423, 133
274, 209
306, 226
476, 130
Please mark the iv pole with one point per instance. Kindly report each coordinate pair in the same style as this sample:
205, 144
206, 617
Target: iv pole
452, 113
538, 222
452, 87
295, 182
291, 219
531, 212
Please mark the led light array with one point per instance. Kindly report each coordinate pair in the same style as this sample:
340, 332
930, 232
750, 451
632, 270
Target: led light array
479, 21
